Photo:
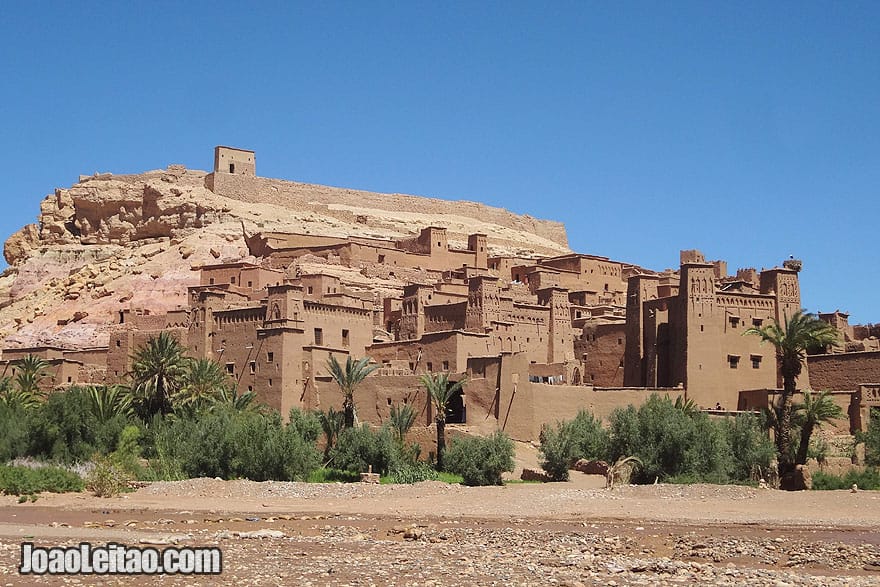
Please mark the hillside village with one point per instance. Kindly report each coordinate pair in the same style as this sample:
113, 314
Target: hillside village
270, 278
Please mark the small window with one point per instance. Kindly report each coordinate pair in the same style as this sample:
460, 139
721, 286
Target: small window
230, 368
345, 338
250, 284
619, 341
270, 356
446, 365
381, 258
250, 388
310, 290
270, 383
69, 379
232, 280
211, 281
118, 343
430, 367
253, 366
734, 321
757, 322
733, 361
388, 400
232, 168
412, 366
756, 361
319, 336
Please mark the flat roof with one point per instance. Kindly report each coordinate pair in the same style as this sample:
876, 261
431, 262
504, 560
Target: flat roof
234, 148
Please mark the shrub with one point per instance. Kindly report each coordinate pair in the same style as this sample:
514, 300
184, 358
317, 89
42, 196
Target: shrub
871, 438
867, 479
106, 479
65, 428
412, 472
230, 444
306, 425
670, 442
480, 460
567, 442
27, 480
359, 448
13, 433
751, 447
128, 451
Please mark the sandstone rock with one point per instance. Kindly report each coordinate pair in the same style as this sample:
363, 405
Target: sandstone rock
19, 245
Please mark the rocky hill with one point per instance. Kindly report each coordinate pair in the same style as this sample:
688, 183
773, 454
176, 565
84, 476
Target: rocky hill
115, 242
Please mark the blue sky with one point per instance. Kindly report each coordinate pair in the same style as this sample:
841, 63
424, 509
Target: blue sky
748, 130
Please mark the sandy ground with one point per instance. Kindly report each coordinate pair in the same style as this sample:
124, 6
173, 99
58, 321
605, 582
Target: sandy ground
431, 533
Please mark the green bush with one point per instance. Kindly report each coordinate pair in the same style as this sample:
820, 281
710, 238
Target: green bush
13, 433
27, 480
867, 479
357, 449
106, 479
752, 449
567, 442
324, 475
412, 472
670, 442
232, 444
871, 438
306, 425
65, 428
480, 460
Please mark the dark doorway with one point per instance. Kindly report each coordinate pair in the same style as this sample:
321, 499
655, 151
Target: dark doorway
455, 410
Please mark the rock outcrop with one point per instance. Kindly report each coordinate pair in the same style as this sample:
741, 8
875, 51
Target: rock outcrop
115, 242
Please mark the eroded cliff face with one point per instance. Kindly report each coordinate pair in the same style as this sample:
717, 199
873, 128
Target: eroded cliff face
115, 242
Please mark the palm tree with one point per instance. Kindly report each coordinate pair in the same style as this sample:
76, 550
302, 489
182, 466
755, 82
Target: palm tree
812, 413
348, 379
331, 423
107, 401
228, 395
14, 399
158, 371
803, 331
441, 391
201, 385
31, 372
402, 418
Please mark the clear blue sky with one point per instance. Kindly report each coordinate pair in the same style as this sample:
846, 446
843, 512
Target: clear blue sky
748, 130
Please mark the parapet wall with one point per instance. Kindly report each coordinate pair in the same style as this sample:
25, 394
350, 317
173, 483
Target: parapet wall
353, 206
843, 371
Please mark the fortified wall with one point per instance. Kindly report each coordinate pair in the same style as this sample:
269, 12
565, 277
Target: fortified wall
356, 206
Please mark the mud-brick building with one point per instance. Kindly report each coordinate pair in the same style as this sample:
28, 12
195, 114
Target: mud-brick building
691, 333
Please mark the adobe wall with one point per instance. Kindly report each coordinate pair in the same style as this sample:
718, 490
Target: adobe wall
602, 349
304, 196
843, 371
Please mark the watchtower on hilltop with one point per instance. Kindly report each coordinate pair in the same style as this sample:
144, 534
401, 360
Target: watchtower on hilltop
235, 161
